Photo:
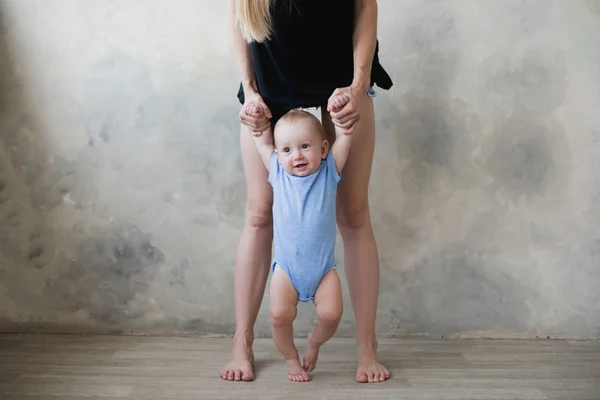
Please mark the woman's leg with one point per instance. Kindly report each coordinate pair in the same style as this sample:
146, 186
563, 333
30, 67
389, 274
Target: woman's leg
360, 252
253, 258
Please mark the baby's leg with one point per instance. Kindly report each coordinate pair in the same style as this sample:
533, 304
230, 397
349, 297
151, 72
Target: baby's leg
329, 307
284, 300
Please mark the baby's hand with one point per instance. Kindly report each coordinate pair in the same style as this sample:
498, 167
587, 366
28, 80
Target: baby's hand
338, 102
255, 110
335, 104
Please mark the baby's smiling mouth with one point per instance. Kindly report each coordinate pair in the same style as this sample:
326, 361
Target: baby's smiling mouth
301, 165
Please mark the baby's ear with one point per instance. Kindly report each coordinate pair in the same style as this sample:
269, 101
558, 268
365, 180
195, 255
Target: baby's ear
324, 149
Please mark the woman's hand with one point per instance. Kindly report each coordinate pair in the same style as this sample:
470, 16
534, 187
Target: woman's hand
255, 114
348, 116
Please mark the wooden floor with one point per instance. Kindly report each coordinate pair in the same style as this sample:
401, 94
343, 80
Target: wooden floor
147, 368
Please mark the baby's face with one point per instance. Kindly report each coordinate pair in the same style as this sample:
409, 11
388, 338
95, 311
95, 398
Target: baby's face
300, 148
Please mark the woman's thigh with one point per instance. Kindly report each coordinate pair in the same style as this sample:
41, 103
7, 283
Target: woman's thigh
353, 189
259, 192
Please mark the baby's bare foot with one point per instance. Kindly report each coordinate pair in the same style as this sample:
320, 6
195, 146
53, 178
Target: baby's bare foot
295, 372
311, 354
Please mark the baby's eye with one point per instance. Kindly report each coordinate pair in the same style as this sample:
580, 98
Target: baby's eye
305, 146
286, 149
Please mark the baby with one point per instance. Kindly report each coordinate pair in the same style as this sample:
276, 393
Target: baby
304, 173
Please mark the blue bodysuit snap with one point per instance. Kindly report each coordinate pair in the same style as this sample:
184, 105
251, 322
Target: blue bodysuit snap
304, 224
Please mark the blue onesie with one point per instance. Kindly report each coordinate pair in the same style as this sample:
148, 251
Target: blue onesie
304, 224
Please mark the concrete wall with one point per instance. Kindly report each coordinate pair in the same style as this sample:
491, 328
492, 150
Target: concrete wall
122, 194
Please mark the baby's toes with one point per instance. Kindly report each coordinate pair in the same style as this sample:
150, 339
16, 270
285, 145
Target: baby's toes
297, 378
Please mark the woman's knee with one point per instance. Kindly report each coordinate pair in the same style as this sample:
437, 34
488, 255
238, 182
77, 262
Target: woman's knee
259, 191
352, 216
259, 214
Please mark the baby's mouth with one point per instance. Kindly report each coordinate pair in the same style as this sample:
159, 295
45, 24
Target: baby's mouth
300, 166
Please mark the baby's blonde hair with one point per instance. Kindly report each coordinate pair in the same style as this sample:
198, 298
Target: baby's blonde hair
254, 19
297, 115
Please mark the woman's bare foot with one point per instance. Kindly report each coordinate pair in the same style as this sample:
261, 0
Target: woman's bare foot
240, 365
295, 371
311, 354
369, 368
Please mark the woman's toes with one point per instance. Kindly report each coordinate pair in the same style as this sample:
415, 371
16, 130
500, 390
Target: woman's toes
247, 376
382, 375
371, 376
362, 377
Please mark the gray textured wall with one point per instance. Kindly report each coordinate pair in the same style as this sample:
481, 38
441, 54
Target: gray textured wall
122, 195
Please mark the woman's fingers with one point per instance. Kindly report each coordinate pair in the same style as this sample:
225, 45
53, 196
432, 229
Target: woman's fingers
352, 127
254, 123
348, 114
343, 124
347, 118
349, 126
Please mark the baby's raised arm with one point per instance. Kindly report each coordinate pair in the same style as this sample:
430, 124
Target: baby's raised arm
341, 146
263, 140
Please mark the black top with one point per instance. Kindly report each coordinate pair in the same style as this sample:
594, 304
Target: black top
309, 55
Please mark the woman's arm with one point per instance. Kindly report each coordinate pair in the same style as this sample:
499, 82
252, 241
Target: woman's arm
365, 40
241, 52
243, 58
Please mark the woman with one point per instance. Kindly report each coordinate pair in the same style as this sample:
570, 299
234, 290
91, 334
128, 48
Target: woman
298, 53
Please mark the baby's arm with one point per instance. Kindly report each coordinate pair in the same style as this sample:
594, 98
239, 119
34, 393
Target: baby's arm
341, 146
264, 139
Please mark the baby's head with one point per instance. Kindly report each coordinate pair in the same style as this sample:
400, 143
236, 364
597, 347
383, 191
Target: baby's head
300, 142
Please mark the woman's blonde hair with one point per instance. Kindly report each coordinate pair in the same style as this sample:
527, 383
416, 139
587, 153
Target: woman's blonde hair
254, 19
